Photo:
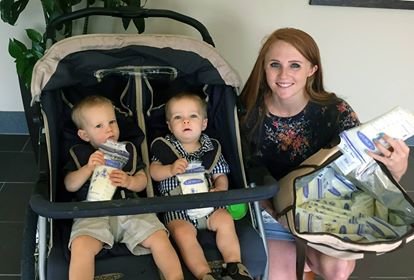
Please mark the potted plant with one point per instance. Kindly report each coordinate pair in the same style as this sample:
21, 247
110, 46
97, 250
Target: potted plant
25, 57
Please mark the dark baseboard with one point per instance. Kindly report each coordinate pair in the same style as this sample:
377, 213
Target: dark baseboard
13, 123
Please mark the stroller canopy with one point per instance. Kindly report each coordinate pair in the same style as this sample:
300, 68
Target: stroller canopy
75, 60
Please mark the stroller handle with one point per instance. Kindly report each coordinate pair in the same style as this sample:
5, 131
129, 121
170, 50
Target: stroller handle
69, 210
126, 12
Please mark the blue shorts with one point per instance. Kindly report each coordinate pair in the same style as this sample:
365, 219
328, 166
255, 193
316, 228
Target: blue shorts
274, 230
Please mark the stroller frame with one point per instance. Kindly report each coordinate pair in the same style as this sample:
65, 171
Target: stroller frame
44, 208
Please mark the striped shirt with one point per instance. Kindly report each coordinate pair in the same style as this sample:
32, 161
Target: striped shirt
167, 185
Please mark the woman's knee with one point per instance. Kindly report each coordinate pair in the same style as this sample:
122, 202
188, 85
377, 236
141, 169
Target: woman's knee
282, 259
332, 268
281, 251
341, 270
345, 268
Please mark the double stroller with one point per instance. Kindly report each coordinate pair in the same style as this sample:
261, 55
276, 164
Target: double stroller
138, 73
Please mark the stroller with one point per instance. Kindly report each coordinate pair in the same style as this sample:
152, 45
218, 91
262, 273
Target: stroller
138, 73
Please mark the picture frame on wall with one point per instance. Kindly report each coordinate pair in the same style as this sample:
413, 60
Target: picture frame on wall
390, 4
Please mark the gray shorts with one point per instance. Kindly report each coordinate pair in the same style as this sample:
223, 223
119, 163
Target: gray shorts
131, 230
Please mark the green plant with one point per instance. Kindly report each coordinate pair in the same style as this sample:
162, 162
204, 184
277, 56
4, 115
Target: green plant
25, 57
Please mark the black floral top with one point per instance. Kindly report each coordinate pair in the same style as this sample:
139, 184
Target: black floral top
287, 141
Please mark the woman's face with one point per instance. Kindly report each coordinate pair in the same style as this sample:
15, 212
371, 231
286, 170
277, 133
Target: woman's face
287, 70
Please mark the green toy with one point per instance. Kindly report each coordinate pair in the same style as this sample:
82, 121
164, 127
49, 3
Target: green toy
237, 211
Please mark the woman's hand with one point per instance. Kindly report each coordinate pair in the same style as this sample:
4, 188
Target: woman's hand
395, 157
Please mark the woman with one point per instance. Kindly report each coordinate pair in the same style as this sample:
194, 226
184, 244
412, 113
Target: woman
290, 116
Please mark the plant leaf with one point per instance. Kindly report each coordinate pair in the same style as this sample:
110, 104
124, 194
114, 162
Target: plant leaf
38, 54
27, 75
48, 8
136, 3
16, 48
74, 2
20, 5
11, 10
125, 22
38, 48
139, 24
33, 35
6, 14
29, 55
112, 3
21, 65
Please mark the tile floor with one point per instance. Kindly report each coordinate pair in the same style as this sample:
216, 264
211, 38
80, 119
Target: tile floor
17, 178
18, 175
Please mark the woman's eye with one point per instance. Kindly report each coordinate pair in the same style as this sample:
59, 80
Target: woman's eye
275, 65
295, 65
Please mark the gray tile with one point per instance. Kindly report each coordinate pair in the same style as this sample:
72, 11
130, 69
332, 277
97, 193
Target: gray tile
10, 248
15, 143
18, 167
14, 199
392, 265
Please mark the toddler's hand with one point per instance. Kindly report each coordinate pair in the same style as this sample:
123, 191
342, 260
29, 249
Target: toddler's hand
97, 158
119, 178
179, 166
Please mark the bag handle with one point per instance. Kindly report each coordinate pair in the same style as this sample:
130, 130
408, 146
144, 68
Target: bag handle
301, 248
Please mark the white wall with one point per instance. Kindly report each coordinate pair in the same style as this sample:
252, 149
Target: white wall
367, 53
10, 99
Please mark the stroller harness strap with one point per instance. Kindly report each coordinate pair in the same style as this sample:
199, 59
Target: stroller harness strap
169, 153
80, 154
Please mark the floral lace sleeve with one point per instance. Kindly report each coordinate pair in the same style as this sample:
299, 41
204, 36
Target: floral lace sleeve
347, 117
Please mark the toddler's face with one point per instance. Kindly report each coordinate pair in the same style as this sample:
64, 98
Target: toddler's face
99, 125
187, 120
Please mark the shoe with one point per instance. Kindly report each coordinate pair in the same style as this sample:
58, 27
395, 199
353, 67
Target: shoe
237, 271
308, 275
210, 276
